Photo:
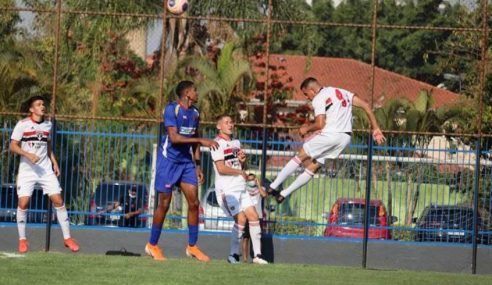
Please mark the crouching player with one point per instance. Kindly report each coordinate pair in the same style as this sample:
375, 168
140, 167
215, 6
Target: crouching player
230, 186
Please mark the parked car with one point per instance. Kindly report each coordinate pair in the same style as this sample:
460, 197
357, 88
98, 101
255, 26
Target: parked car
346, 219
211, 215
444, 223
38, 206
102, 203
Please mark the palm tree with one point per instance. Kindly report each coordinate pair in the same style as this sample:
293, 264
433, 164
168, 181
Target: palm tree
390, 117
420, 117
219, 81
401, 115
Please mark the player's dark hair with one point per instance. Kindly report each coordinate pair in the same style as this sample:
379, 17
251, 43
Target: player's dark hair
182, 86
308, 81
28, 103
251, 174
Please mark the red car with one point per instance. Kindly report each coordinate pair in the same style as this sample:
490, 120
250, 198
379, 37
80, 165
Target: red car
346, 219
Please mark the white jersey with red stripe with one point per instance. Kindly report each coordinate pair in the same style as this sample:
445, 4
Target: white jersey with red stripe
34, 138
228, 152
336, 104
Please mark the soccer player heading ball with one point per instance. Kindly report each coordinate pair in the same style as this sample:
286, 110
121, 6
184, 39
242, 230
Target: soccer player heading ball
31, 139
178, 163
333, 131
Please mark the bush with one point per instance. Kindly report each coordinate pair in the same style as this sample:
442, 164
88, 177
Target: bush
288, 225
403, 233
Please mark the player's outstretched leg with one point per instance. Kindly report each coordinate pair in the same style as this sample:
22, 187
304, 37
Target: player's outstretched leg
300, 181
286, 171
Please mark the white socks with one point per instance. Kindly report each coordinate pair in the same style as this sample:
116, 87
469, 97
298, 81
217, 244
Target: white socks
63, 221
288, 169
21, 222
61, 214
298, 183
236, 237
255, 233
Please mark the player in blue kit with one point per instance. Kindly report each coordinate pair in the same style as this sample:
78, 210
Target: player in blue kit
178, 163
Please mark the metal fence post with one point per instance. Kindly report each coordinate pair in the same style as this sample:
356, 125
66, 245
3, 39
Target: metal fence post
475, 204
53, 111
368, 201
50, 206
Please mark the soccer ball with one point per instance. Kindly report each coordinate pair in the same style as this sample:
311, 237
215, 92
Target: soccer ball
177, 7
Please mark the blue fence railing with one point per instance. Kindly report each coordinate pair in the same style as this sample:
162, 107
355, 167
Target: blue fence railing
422, 187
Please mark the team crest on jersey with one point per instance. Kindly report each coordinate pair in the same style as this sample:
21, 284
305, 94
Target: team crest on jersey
39, 135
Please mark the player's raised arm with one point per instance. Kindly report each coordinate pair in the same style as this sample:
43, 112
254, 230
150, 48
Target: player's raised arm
376, 131
176, 138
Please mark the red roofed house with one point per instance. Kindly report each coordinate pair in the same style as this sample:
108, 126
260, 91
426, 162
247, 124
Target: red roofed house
346, 73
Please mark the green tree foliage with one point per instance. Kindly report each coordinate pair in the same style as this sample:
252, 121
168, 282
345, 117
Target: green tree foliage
218, 83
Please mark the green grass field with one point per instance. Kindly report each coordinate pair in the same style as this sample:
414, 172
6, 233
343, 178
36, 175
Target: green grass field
65, 269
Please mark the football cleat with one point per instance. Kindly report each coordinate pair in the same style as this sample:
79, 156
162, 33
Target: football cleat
272, 192
71, 244
279, 198
195, 251
23, 246
259, 260
155, 252
233, 259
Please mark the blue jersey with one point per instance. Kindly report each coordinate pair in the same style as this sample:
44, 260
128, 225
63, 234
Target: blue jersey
186, 122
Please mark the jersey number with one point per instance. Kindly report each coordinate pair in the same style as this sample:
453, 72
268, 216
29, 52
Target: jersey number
341, 98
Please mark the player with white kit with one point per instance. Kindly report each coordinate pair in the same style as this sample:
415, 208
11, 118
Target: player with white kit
230, 186
332, 130
31, 140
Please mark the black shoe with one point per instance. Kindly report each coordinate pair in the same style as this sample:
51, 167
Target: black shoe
279, 198
233, 259
272, 192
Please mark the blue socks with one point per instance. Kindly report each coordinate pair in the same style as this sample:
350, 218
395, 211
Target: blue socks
155, 234
192, 234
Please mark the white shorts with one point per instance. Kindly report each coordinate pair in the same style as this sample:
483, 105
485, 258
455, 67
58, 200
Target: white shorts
234, 201
26, 182
326, 146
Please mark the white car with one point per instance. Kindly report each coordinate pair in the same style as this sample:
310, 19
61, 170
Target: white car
212, 218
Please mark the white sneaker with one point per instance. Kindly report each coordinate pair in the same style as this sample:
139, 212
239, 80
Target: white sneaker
259, 260
233, 259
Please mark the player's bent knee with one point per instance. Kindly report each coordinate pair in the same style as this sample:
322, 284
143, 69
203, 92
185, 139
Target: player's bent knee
23, 202
193, 206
